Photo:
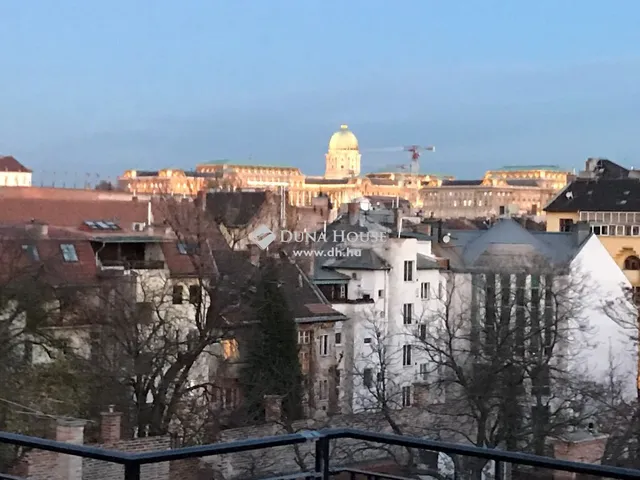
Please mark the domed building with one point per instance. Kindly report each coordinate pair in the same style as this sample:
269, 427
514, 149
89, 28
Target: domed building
343, 156
527, 187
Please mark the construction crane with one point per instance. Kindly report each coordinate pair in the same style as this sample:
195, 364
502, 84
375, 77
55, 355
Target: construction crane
414, 150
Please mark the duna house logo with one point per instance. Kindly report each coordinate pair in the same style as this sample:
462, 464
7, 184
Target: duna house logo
262, 236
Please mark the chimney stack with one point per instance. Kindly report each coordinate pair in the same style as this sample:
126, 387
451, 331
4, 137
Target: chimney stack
398, 220
39, 229
353, 211
578, 447
110, 425
273, 408
70, 431
581, 230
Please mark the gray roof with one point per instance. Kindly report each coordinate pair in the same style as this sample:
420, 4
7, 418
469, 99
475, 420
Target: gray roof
325, 275
367, 260
426, 263
508, 244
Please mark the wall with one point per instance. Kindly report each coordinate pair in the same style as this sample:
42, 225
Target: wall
553, 219
15, 179
612, 320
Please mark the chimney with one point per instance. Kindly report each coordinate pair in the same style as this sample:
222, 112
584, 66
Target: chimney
581, 230
110, 426
254, 254
70, 431
397, 217
353, 210
39, 229
578, 446
273, 408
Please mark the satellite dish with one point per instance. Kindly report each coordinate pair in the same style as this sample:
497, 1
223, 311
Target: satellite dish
446, 238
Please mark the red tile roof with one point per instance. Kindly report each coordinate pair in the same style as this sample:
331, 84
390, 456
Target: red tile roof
71, 213
57, 193
50, 265
10, 164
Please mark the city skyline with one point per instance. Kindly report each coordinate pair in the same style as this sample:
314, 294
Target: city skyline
104, 88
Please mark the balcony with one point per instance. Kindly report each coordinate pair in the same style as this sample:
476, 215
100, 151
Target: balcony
107, 265
325, 457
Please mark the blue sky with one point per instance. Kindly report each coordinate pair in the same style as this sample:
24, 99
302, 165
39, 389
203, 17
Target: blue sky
104, 86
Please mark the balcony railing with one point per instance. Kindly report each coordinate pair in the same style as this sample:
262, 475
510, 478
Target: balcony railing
134, 264
323, 468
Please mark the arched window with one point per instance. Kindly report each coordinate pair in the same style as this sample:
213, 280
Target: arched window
632, 263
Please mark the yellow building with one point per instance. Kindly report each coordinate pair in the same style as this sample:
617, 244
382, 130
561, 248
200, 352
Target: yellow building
607, 196
342, 180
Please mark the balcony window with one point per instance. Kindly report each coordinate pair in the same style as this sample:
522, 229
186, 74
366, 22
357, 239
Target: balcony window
406, 355
406, 396
194, 294
408, 271
632, 263
407, 313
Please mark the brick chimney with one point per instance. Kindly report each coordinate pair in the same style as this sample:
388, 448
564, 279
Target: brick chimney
273, 408
578, 446
110, 425
39, 229
70, 431
353, 211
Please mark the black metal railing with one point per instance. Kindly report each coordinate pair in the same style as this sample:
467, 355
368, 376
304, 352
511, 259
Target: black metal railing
323, 469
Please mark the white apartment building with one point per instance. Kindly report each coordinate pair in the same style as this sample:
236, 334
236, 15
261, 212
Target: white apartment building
386, 291
13, 173
566, 277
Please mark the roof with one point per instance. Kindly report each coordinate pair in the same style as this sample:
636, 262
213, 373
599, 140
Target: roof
325, 181
59, 193
36, 251
514, 168
461, 183
10, 164
245, 163
507, 244
235, 209
72, 213
367, 260
426, 263
604, 195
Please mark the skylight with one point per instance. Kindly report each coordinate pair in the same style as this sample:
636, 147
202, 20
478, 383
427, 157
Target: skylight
102, 225
69, 252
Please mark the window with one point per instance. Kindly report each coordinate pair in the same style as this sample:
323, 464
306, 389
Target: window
604, 230
408, 271
194, 294
69, 252
342, 293
323, 389
304, 361
367, 340
425, 289
178, 294
380, 293
304, 337
566, 224
596, 229
229, 398
406, 355
32, 252
635, 230
337, 376
632, 263
440, 290
324, 345
367, 377
424, 371
230, 349
406, 396
338, 338
407, 313
422, 332
619, 230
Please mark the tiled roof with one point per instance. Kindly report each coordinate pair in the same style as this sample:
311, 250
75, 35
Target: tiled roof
604, 195
10, 164
72, 213
57, 193
49, 265
326, 181
235, 209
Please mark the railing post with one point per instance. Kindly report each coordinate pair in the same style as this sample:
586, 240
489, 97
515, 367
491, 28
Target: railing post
322, 458
132, 471
498, 471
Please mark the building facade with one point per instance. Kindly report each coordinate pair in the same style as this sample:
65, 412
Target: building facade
526, 187
607, 197
13, 173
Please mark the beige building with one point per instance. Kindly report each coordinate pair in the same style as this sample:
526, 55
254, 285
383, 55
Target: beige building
527, 187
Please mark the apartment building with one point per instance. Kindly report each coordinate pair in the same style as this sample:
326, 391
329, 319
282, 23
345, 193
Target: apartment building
388, 291
607, 197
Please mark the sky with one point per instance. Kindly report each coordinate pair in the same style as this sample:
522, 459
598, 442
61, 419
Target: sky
100, 87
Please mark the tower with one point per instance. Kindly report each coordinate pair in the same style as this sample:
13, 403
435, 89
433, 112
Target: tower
343, 156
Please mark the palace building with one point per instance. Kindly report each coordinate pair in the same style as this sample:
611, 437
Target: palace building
525, 189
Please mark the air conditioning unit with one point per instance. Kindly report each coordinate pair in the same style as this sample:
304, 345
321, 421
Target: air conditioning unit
139, 226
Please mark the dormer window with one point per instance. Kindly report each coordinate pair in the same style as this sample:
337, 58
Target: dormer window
32, 252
